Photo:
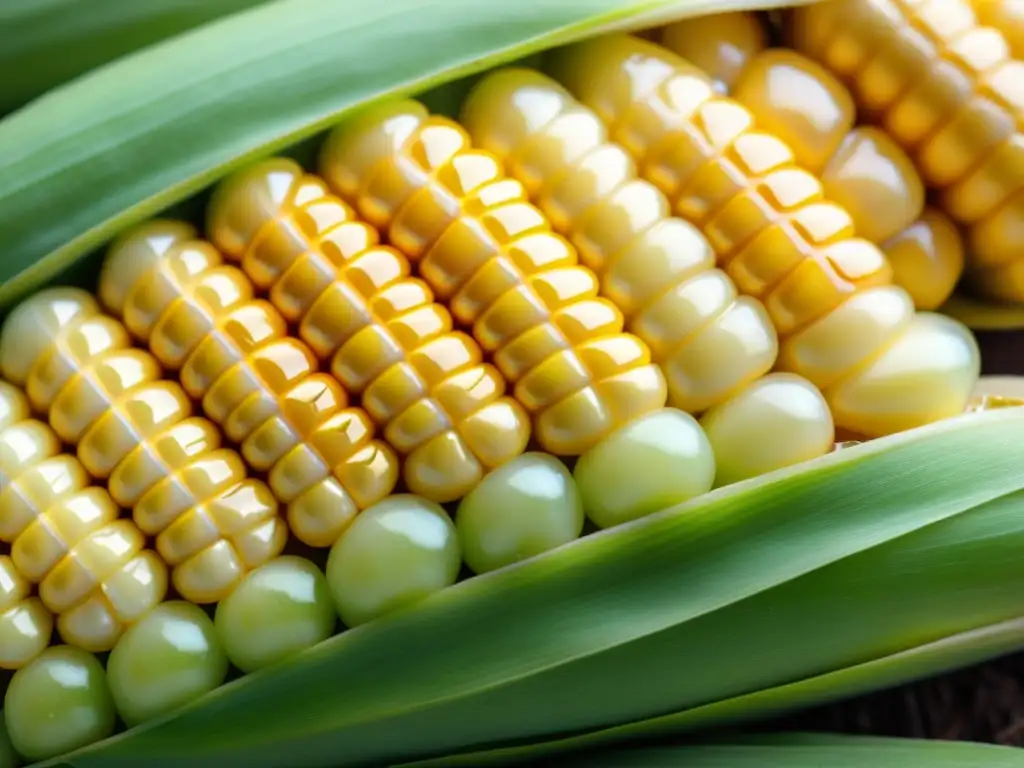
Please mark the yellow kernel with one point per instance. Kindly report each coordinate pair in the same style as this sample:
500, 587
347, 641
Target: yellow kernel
481, 246
777, 235
93, 570
721, 44
927, 259
200, 318
386, 339
135, 431
25, 623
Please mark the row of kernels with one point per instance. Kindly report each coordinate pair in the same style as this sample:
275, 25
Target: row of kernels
92, 569
386, 339
947, 89
483, 248
861, 168
136, 431
841, 322
232, 351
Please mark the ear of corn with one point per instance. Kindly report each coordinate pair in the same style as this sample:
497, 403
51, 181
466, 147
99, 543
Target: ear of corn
743, 563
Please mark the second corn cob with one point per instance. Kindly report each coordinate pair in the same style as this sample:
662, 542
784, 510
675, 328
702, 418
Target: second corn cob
861, 168
841, 322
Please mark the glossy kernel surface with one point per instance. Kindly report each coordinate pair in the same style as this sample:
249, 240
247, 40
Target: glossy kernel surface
26, 625
649, 465
483, 248
395, 554
829, 293
525, 508
386, 339
135, 430
861, 168
58, 703
721, 44
659, 270
778, 422
927, 259
93, 569
200, 318
280, 609
168, 659
947, 88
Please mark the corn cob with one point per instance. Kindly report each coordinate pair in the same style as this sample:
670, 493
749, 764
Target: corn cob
199, 318
92, 568
134, 430
481, 246
841, 322
860, 168
946, 89
354, 300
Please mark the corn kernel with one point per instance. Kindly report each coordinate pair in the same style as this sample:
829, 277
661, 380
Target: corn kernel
93, 569
721, 44
1007, 16
482, 247
136, 431
841, 322
58, 703
387, 340
860, 168
659, 270
25, 623
946, 89
927, 258
232, 351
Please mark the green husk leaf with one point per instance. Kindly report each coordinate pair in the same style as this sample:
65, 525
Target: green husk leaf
981, 315
48, 42
130, 139
751, 587
809, 750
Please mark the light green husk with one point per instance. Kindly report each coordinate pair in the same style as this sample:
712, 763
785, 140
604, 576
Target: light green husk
48, 42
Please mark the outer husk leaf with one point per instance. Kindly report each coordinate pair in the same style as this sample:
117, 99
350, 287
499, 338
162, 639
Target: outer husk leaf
809, 751
768, 582
48, 42
130, 139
